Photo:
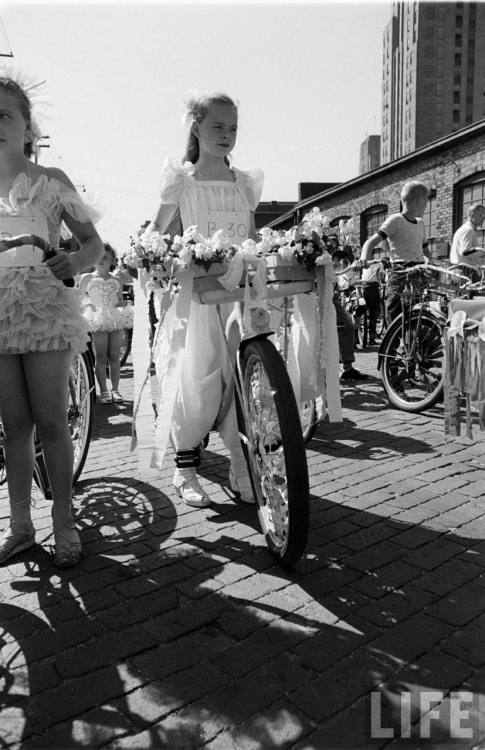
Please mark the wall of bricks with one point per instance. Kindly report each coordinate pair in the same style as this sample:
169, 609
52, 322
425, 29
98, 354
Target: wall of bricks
442, 167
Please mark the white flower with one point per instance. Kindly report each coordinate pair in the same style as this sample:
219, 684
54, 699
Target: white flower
191, 233
220, 240
286, 252
249, 246
185, 254
199, 250
325, 259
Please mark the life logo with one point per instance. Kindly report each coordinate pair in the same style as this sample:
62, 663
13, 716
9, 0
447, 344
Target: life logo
428, 713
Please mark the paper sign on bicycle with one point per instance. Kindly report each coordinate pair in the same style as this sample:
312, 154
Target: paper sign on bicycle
25, 255
234, 223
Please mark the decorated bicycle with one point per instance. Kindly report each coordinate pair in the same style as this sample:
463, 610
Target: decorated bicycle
283, 346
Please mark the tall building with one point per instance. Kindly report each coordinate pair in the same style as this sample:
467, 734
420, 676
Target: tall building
370, 154
433, 73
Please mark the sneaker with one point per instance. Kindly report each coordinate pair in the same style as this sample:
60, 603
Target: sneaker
353, 374
116, 397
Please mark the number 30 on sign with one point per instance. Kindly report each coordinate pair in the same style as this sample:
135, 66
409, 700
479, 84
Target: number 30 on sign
234, 223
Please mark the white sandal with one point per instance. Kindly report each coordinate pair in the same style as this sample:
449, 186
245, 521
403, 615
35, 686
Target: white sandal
186, 485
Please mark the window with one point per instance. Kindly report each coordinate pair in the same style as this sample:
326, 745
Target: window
370, 221
336, 222
429, 218
468, 192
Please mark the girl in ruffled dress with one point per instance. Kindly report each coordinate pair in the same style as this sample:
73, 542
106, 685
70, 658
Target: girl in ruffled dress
41, 323
102, 294
205, 190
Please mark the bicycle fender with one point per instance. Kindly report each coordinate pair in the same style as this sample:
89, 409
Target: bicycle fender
253, 336
428, 315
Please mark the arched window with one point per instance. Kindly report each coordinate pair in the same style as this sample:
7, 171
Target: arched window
370, 221
467, 192
336, 222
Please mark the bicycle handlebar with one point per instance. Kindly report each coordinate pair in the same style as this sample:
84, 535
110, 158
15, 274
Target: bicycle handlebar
32, 239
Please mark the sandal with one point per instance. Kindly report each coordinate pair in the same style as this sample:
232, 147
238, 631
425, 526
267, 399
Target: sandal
105, 398
13, 542
68, 546
187, 487
116, 397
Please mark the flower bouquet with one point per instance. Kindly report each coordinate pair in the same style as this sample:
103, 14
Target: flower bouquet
162, 254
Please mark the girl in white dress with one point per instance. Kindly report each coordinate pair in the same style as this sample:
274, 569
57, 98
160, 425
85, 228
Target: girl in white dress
41, 325
102, 295
206, 191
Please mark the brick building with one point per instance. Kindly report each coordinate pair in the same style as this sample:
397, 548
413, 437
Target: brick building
453, 167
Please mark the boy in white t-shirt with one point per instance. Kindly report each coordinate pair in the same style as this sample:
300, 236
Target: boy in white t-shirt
406, 240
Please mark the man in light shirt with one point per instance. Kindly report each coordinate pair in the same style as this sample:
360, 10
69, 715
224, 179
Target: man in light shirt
465, 240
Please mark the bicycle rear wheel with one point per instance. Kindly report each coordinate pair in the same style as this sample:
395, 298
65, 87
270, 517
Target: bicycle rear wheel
80, 412
270, 430
412, 365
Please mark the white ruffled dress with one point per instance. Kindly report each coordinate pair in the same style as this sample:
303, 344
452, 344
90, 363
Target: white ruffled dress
107, 315
205, 370
38, 313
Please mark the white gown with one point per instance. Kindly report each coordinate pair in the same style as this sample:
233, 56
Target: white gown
205, 371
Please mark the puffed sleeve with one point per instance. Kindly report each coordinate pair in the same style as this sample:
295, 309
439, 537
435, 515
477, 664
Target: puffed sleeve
252, 182
81, 209
172, 182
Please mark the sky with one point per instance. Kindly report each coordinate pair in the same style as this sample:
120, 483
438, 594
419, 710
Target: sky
307, 77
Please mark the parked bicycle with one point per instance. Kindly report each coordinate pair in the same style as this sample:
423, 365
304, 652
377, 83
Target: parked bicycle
269, 417
412, 352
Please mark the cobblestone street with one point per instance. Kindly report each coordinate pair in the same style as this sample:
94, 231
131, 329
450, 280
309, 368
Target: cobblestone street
179, 631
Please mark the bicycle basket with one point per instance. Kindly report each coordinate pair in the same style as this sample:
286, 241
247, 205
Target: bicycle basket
446, 280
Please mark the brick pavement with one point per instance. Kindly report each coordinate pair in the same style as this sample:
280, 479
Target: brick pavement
179, 631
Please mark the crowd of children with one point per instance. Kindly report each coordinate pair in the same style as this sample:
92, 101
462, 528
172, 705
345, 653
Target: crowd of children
43, 321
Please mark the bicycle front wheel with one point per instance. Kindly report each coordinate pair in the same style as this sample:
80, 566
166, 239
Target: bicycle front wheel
412, 362
270, 429
80, 410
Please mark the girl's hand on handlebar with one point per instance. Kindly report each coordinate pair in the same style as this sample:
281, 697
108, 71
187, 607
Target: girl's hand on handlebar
62, 265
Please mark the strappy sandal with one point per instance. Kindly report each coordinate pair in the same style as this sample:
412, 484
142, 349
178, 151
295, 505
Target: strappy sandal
105, 398
68, 546
187, 487
13, 542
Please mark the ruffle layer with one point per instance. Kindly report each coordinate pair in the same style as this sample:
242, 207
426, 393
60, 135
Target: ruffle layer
52, 196
177, 177
109, 318
39, 313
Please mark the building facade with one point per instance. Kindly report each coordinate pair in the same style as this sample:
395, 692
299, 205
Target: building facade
433, 73
370, 154
454, 169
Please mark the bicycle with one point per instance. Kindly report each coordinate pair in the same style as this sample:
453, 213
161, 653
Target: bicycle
411, 354
268, 414
81, 397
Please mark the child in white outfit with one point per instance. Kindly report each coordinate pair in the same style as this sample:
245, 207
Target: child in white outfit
206, 191
102, 294
41, 324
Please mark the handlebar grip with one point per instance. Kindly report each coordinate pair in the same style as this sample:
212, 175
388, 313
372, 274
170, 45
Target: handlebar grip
50, 254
